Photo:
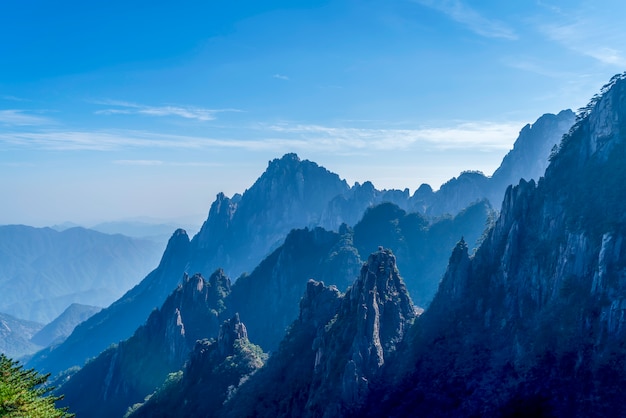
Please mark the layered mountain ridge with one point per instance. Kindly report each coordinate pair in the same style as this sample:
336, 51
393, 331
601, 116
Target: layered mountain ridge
44, 271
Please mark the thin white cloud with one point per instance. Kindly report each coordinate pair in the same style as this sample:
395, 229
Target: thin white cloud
138, 162
482, 135
151, 163
280, 137
186, 112
471, 19
597, 38
281, 77
15, 117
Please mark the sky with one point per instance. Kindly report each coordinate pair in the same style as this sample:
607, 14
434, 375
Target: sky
117, 110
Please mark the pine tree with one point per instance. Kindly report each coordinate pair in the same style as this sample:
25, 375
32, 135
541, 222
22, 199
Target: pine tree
23, 395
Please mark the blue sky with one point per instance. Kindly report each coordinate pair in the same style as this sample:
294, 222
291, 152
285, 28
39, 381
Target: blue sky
112, 110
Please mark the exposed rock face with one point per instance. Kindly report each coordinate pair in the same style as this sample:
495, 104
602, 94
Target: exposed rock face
527, 160
213, 372
331, 353
533, 323
230, 331
241, 231
373, 319
293, 364
126, 373
267, 299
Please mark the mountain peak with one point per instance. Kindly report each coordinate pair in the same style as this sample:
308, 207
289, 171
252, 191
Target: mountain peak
230, 331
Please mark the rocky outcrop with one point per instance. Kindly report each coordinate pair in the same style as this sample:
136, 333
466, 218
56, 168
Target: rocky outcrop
372, 320
213, 372
532, 324
293, 364
126, 373
240, 232
268, 298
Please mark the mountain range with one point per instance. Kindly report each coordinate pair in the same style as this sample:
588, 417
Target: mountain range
530, 324
44, 271
297, 221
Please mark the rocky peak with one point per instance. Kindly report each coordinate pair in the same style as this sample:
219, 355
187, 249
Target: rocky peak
220, 217
230, 331
177, 247
319, 303
373, 318
455, 278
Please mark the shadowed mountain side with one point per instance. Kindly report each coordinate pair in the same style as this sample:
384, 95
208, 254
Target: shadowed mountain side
126, 373
533, 324
213, 372
122, 318
267, 300
334, 349
422, 248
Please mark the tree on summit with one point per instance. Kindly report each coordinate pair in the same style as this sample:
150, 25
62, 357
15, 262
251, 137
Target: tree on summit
21, 393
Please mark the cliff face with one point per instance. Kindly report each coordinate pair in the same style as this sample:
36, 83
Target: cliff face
124, 374
372, 320
281, 388
336, 347
241, 231
527, 160
533, 323
213, 372
268, 298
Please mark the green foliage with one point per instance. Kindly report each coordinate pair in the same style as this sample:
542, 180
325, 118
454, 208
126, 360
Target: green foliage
22, 394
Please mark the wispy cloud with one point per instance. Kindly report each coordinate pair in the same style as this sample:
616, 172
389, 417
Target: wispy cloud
187, 112
280, 137
138, 162
151, 163
598, 39
281, 77
471, 19
483, 135
15, 117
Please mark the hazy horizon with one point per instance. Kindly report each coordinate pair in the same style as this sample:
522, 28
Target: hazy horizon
119, 110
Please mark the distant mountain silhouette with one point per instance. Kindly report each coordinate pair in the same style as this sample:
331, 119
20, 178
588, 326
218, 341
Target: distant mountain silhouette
44, 271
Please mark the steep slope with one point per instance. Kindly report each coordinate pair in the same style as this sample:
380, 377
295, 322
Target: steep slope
237, 235
59, 329
125, 373
15, 335
326, 362
533, 324
267, 300
214, 370
44, 271
120, 320
281, 387
241, 231
527, 160
422, 247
